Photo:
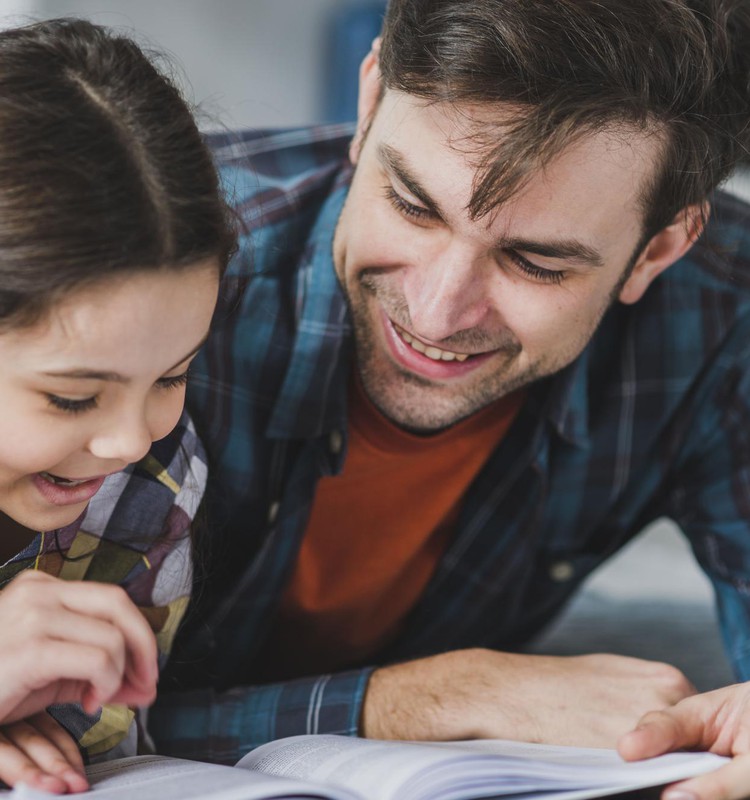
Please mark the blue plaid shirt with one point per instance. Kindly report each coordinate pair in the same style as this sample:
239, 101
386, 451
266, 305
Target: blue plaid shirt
651, 420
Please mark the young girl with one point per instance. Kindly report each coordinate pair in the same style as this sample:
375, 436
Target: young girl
113, 237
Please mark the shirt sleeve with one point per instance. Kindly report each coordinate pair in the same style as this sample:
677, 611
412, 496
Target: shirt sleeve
222, 727
159, 498
711, 500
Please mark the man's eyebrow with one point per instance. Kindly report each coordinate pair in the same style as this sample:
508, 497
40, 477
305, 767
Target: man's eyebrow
568, 249
114, 377
392, 160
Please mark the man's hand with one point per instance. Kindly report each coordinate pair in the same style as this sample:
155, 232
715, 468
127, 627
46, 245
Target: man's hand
466, 694
718, 721
72, 642
42, 754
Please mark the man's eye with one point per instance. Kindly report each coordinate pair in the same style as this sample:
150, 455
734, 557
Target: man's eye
71, 406
533, 271
404, 207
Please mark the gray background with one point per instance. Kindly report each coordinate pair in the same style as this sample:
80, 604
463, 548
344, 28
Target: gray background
248, 62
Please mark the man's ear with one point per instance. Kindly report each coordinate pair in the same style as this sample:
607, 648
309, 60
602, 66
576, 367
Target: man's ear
370, 89
663, 249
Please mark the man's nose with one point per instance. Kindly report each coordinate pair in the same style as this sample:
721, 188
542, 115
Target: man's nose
448, 292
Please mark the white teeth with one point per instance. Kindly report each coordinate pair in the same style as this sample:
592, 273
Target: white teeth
418, 346
60, 481
435, 353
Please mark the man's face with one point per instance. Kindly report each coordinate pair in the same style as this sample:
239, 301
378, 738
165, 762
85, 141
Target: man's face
452, 313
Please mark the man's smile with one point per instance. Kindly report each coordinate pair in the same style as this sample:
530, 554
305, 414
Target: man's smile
435, 353
426, 361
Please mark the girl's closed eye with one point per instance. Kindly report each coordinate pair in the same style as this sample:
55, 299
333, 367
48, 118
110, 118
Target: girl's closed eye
72, 406
86, 404
173, 381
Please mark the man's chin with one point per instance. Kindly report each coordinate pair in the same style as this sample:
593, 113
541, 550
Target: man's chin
424, 404
422, 411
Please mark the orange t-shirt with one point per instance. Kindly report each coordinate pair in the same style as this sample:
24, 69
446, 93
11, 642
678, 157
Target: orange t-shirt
375, 535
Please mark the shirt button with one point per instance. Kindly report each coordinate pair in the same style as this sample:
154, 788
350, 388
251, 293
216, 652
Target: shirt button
561, 571
335, 442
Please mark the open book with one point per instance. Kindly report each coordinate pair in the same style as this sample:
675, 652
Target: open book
341, 768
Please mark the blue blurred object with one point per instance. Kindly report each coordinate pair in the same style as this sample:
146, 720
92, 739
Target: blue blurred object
351, 34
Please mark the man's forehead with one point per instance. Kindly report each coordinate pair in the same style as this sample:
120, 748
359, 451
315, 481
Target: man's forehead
473, 128
456, 146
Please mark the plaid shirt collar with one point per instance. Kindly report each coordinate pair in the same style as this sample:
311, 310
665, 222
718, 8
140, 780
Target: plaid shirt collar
324, 329
568, 403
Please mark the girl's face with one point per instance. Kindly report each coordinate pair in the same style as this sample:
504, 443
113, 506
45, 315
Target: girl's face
87, 389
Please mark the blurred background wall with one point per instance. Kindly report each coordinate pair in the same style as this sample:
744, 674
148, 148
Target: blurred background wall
248, 63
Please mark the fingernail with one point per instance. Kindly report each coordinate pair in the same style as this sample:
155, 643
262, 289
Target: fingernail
92, 705
76, 781
679, 794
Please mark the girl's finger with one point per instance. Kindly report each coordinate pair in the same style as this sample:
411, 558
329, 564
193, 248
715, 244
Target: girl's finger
16, 766
45, 754
56, 666
111, 603
94, 601
64, 741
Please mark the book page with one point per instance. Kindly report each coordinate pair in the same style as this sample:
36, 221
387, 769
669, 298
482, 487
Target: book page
453, 771
375, 769
159, 778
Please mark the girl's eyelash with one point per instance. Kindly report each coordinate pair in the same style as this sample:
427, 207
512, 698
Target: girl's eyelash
403, 206
539, 274
71, 406
173, 382
77, 406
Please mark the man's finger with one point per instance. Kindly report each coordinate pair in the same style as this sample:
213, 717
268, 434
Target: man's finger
676, 728
730, 782
657, 732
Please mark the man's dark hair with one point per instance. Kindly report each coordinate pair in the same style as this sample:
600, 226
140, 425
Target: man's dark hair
679, 69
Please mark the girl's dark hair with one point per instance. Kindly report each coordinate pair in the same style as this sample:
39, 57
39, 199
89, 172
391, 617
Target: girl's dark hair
677, 68
102, 168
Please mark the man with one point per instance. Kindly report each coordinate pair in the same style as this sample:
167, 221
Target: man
449, 382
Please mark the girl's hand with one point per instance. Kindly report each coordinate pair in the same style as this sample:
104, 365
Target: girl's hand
72, 642
40, 753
